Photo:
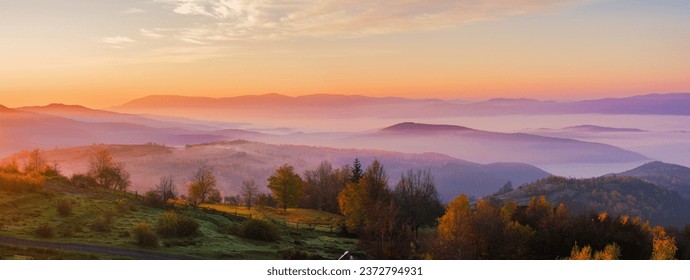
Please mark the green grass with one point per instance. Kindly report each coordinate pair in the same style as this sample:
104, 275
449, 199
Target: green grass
306, 218
22, 213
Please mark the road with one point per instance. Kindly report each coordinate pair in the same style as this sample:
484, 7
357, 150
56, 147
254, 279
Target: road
112, 251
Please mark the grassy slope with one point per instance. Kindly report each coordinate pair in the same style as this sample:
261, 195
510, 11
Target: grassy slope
22, 213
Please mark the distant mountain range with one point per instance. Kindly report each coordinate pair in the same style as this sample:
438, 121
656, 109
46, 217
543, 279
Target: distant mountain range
338, 106
58, 125
237, 160
484, 146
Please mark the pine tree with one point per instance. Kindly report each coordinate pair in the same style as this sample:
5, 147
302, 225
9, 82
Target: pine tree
357, 172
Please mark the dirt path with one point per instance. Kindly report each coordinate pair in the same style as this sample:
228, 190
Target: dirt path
135, 254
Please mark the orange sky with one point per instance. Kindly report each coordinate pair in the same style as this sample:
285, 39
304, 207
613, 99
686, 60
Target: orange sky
101, 54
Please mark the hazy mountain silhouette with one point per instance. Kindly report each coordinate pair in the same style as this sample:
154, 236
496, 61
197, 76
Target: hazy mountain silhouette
28, 130
596, 128
484, 146
84, 114
336, 106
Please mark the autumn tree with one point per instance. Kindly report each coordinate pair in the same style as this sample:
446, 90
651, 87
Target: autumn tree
286, 186
106, 172
355, 198
250, 192
417, 197
166, 189
203, 182
454, 227
323, 185
664, 246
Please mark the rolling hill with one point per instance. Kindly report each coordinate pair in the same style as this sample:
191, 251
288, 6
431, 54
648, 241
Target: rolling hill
237, 160
673, 176
485, 146
617, 195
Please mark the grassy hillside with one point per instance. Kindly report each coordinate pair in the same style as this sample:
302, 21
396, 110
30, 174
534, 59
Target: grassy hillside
107, 218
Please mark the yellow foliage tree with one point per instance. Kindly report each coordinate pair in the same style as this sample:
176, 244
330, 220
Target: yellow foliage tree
664, 246
451, 225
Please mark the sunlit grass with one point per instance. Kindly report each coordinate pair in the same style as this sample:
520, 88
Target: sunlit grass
22, 213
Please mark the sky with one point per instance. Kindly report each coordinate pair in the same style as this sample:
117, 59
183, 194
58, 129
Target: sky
103, 53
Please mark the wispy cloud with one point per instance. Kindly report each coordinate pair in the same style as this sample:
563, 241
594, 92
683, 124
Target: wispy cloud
270, 19
116, 41
133, 11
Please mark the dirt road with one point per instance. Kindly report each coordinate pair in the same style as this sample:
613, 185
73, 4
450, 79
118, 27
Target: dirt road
134, 254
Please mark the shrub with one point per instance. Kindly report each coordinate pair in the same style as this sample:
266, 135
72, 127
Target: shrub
187, 226
64, 207
259, 230
17, 182
45, 231
122, 206
104, 222
171, 224
144, 236
153, 199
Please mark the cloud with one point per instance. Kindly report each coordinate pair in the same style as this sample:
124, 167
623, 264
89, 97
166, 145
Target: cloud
270, 19
117, 42
133, 11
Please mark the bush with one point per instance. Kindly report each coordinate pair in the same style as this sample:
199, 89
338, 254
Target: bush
171, 224
122, 206
153, 199
45, 231
64, 207
145, 238
17, 182
259, 230
105, 222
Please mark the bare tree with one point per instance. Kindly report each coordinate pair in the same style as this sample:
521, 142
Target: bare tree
166, 188
106, 172
36, 162
418, 198
323, 185
250, 190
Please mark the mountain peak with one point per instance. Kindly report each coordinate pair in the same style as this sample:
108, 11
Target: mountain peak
423, 128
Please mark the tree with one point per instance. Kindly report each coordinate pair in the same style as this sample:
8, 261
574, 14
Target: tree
323, 185
106, 172
355, 199
418, 199
453, 227
121, 176
36, 162
214, 196
166, 189
250, 190
286, 186
203, 181
356, 171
